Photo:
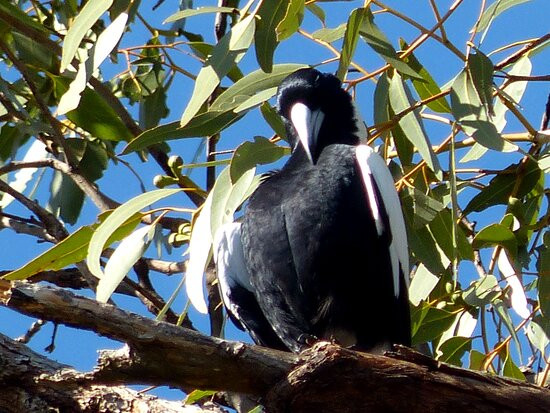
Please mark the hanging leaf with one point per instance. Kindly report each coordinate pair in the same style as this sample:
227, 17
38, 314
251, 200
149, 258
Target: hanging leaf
88, 16
453, 349
249, 154
426, 86
400, 100
228, 52
71, 250
291, 21
329, 35
496, 234
481, 72
469, 110
497, 7
422, 285
538, 332
351, 37
271, 13
482, 292
121, 261
115, 220
183, 14
378, 41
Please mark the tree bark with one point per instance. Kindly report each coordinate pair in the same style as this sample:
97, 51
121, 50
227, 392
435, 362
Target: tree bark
324, 378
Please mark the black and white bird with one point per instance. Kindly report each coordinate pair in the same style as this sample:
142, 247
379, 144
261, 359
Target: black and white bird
321, 252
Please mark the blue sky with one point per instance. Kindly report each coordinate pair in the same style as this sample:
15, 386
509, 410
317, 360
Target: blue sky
79, 348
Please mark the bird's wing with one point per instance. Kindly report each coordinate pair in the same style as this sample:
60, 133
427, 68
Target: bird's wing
235, 288
378, 180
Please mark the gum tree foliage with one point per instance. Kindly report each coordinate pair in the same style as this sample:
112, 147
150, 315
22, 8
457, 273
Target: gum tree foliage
81, 92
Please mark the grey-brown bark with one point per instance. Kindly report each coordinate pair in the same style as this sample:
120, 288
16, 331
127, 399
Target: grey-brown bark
325, 378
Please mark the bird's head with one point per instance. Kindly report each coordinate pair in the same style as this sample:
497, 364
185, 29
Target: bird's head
317, 112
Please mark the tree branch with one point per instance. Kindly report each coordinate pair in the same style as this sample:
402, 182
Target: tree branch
30, 382
160, 353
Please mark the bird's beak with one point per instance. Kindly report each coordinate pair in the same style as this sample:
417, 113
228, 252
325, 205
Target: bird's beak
307, 123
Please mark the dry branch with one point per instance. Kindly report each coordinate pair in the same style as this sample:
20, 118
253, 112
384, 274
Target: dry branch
325, 378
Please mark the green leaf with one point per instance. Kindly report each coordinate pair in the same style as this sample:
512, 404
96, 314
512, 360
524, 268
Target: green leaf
475, 152
426, 86
543, 283
422, 285
251, 84
330, 35
88, 16
500, 188
424, 248
469, 110
183, 14
481, 71
228, 52
121, 261
27, 21
115, 220
441, 228
204, 124
429, 323
351, 37
104, 45
503, 314
317, 12
453, 349
497, 7
482, 292
538, 332
401, 100
273, 119
378, 41
496, 234
71, 250
510, 369
271, 13
514, 91
66, 198
476, 360
95, 116
426, 208
292, 20
197, 395
249, 154
33, 53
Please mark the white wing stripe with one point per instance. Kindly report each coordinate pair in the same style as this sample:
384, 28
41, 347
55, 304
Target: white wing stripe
374, 171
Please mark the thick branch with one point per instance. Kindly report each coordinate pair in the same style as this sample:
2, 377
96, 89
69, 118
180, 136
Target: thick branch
160, 353
30, 382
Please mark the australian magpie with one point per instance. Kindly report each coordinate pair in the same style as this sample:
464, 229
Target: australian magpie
321, 252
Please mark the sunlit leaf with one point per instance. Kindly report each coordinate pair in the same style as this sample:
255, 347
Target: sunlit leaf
249, 154
469, 110
229, 51
411, 123
496, 234
453, 349
251, 84
205, 124
426, 86
183, 14
330, 35
121, 261
429, 323
497, 7
510, 369
71, 250
196, 395
422, 285
351, 37
518, 300
271, 13
376, 39
482, 291
105, 43
317, 12
292, 19
87, 17
476, 360
115, 220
